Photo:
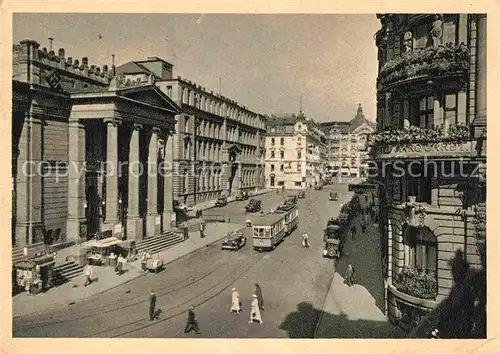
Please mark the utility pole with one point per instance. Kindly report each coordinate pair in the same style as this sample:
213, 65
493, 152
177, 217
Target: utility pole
220, 85
300, 105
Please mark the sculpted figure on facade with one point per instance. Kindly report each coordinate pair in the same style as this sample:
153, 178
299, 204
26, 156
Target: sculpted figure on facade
436, 30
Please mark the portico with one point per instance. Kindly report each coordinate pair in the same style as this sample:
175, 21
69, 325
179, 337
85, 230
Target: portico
123, 143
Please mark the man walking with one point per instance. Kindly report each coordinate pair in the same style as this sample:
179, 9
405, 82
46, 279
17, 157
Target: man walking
192, 323
349, 275
152, 305
88, 275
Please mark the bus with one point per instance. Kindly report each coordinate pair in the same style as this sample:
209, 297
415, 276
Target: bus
291, 213
268, 231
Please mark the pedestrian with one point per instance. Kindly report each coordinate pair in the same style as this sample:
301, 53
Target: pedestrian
249, 222
88, 275
254, 310
258, 292
152, 305
192, 323
353, 232
363, 224
235, 302
435, 334
349, 275
305, 240
202, 229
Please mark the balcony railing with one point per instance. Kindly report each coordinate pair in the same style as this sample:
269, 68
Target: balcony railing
428, 62
414, 134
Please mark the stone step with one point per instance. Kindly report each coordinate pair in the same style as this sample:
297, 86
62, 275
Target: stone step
17, 254
66, 271
159, 243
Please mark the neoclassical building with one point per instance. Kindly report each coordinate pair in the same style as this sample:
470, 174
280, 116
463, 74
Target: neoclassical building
295, 152
431, 121
348, 144
218, 144
80, 138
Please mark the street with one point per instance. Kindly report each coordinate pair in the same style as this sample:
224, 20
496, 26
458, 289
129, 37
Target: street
294, 283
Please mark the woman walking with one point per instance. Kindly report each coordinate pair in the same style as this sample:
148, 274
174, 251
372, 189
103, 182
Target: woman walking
258, 292
255, 311
235, 302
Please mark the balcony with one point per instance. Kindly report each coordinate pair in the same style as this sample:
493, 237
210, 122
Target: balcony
414, 142
424, 64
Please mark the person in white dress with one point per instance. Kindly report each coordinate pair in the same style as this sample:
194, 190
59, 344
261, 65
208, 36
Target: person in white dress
235, 302
255, 311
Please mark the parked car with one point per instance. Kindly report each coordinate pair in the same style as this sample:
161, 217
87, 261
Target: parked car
178, 206
254, 205
301, 195
234, 241
333, 196
242, 196
292, 199
221, 201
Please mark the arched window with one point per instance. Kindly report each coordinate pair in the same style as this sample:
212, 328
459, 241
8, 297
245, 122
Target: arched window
420, 249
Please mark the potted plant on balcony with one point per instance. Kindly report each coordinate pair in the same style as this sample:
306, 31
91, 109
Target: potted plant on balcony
415, 283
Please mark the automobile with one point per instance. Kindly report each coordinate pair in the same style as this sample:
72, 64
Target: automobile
221, 201
301, 195
318, 187
178, 206
333, 240
242, 196
253, 206
333, 196
292, 199
234, 241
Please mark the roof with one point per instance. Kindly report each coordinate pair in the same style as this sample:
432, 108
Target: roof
133, 68
267, 219
360, 119
344, 127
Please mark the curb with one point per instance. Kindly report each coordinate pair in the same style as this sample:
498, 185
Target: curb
316, 328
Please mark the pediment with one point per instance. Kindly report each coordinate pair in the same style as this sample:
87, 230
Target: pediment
150, 95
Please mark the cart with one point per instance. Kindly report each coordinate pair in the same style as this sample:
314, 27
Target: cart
154, 264
102, 252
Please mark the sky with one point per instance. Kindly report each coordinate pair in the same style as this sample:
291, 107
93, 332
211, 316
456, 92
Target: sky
266, 62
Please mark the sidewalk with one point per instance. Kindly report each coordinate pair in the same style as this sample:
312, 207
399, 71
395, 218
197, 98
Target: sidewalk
356, 311
65, 294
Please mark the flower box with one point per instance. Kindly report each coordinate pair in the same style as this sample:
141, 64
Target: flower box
414, 283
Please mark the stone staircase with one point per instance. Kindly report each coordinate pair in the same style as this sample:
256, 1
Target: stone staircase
17, 254
65, 272
159, 243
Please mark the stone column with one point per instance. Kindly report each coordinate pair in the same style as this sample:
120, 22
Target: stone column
134, 221
387, 121
153, 225
406, 114
480, 104
29, 226
76, 228
168, 203
111, 223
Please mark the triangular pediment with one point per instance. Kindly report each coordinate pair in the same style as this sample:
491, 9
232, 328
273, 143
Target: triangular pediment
150, 95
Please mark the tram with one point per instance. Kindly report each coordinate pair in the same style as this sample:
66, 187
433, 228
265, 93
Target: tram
268, 231
291, 213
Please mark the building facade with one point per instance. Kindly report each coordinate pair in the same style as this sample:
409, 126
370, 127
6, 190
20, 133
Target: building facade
79, 138
348, 145
431, 122
295, 152
218, 144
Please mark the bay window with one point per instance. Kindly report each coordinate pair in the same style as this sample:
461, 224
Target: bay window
420, 249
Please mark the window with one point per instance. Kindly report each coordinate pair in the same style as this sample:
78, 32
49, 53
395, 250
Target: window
298, 184
272, 181
420, 184
450, 110
299, 154
282, 141
299, 166
282, 154
426, 111
272, 141
281, 183
299, 126
282, 167
420, 249
272, 167
272, 154
289, 165
421, 37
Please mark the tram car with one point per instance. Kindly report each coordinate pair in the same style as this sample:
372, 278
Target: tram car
291, 213
268, 231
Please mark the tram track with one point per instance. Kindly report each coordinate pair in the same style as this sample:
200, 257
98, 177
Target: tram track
219, 287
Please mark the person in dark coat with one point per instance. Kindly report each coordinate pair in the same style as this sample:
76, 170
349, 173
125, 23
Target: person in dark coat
363, 224
353, 232
192, 323
152, 305
258, 292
